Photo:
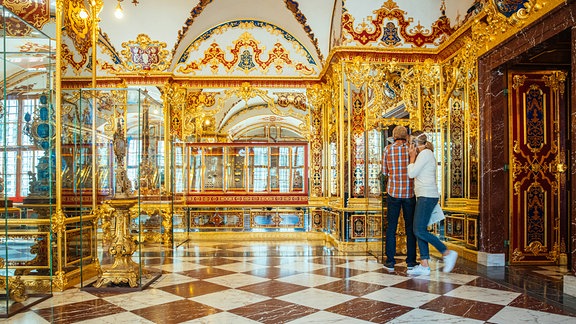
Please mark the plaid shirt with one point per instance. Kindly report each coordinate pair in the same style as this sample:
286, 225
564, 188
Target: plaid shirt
395, 164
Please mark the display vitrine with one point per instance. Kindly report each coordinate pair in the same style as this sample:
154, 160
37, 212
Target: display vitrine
26, 164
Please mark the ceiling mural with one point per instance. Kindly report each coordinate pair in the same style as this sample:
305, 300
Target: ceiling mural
261, 49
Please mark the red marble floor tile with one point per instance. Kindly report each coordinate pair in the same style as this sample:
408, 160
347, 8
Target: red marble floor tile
528, 302
205, 273
338, 272
216, 261
273, 288
157, 261
463, 307
273, 311
105, 293
328, 260
270, 261
350, 287
369, 310
81, 311
487, 283
428, 286
227, 246
193, 289
272, 272
176, 312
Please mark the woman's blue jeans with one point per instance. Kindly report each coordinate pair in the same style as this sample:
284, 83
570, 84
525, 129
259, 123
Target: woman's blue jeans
422, 213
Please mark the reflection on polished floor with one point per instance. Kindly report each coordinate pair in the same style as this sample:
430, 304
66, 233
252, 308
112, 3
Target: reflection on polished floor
288, 282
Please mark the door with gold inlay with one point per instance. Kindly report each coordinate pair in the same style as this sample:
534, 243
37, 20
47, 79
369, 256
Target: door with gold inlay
537, 167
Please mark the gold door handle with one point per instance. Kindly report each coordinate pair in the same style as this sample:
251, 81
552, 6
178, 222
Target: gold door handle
561, 167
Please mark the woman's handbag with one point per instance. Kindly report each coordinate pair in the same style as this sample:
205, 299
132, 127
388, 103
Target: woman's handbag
437, 215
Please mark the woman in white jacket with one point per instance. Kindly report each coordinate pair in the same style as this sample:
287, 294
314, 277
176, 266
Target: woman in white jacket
422, 168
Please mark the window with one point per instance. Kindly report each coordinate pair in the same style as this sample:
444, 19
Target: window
19, 157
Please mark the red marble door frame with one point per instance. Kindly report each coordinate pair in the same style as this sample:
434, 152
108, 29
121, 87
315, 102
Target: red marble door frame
492, 92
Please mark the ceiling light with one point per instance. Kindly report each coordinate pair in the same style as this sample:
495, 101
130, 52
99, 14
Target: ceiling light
118, 12
83, 13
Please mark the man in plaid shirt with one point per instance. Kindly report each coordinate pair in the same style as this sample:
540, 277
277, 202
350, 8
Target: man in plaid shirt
400, 195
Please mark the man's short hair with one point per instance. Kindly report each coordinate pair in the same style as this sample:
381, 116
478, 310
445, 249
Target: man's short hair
400, 132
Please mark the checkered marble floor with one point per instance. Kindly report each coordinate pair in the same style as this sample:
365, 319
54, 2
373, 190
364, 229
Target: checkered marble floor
287, 282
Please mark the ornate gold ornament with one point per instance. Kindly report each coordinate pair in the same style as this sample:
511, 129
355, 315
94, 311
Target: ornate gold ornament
556, 81
144, 55
518, 81
59, 280
536, 248
517, 255
16, 288
58, 222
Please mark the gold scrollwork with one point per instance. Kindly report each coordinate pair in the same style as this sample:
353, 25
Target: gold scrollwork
556, 81
535, 248
518, 81
517, 255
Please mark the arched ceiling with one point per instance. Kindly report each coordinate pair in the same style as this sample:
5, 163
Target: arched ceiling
260, 38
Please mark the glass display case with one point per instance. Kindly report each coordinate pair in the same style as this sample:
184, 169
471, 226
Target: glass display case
239, 168
26, 164
114, 208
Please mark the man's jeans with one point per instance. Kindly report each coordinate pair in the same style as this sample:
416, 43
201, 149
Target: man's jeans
394, 205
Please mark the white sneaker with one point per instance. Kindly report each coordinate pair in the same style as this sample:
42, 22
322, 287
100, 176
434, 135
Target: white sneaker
450, 261
419, 271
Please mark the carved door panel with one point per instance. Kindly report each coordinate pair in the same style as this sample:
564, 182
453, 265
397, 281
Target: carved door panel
536, 168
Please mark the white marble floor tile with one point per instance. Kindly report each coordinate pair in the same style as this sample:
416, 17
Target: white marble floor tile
221, 318
316, 298
351, 258
510, 315
171, 279
243, 258
454, 278
486, 295
240, 266
137, 300
236, 280
366, 265
69, 296
304, 266
379, 278
25, 318
179, 266
403, 297
229, 299
126, 317
308, 279
420, 316
323, 317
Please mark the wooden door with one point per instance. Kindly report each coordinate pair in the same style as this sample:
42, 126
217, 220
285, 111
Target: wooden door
536, 166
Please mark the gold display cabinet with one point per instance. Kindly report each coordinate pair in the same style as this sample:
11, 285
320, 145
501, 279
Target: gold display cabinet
26, 163
239, 187
110, 175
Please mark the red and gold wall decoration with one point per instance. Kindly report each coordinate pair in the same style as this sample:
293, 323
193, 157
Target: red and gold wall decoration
391, 28
36, 13
358, 145
246, 55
